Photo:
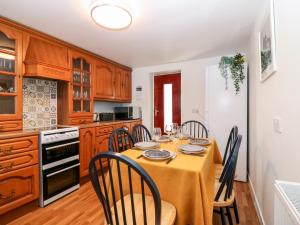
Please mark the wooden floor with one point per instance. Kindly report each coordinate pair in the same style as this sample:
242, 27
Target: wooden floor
83, 208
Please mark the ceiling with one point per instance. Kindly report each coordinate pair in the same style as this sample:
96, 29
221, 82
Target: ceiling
162, 31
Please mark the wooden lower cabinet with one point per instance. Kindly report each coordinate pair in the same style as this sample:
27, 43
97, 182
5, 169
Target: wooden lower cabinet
87, 149
18, 188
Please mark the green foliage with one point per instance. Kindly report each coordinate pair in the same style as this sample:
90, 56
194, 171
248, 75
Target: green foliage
236, 66
266, 59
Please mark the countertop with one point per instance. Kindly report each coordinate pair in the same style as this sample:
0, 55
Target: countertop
30, 132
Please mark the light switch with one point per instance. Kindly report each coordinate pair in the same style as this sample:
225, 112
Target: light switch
276, 125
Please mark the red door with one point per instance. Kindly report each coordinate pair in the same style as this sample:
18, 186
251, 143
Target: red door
167, 100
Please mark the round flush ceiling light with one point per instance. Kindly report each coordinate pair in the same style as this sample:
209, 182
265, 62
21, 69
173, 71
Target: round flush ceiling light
111, 14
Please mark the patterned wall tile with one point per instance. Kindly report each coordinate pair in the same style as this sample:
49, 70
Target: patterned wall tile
39, 103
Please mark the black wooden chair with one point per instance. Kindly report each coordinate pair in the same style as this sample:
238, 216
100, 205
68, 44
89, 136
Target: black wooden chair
225, 195
230, 142
131, 208
195, 129
140, 133
120, 140
229, 148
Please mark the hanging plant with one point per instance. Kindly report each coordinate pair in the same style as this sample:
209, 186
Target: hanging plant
236, 66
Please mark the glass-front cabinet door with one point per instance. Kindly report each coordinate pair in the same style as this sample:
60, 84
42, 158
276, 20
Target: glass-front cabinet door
81, 77
10, 74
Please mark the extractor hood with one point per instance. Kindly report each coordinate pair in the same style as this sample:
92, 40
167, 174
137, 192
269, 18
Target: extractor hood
45, 59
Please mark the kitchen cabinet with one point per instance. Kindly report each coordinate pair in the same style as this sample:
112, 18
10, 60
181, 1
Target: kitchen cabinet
104, 80
87, 149
95, 140
18, 188
10, 78
75, 102
19, 172
112, 83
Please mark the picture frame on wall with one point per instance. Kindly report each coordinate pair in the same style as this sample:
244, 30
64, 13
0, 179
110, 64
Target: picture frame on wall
267, 56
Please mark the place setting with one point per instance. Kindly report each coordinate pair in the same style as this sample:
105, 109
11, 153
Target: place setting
158, 155
194, 150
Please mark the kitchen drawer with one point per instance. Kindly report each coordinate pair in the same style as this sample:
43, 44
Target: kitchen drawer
18, 161
81, 120
17, 145
18, 188
10, 125
104, 130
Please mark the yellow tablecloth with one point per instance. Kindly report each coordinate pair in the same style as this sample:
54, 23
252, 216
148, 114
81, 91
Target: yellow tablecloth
187, 182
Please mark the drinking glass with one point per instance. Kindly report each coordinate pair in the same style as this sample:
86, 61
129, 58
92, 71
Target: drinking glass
168, 129
156, 133
174, 128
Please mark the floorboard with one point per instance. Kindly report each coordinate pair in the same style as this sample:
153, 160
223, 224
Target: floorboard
83, 208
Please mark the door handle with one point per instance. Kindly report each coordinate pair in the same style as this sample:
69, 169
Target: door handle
156, 111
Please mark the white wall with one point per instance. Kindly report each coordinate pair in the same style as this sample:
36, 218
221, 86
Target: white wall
192, 88
273, 155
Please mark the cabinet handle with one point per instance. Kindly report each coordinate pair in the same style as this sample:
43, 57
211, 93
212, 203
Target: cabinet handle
7, 168
9, 197
6, 151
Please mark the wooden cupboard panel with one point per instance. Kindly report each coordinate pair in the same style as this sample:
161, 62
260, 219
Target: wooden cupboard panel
18, 145
101, 145
14, 162
80, 120
119, 73
16, 37
126, 86
18, 188
10, 125
104, 130
87, 149
104, 80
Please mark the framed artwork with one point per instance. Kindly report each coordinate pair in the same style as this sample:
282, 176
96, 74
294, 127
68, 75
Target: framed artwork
267, 45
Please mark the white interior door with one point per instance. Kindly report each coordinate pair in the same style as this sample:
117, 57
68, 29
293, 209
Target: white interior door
224, 109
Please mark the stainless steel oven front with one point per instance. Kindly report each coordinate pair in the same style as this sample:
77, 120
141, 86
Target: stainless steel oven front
59, 164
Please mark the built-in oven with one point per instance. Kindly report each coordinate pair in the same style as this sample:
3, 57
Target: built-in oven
54, 154
60, 180
59, 163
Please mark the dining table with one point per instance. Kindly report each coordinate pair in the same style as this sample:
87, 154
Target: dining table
187, 181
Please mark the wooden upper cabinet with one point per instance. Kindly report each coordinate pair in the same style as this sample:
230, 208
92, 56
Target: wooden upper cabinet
10, 75
104, 80
126, 86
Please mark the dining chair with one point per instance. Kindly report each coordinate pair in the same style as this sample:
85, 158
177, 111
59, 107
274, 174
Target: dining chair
140, 133
120, 140
131, 208
224, 193
229, 148
195, 129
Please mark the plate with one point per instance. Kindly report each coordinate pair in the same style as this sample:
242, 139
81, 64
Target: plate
146, 145
163, 139
200, 141
192, 148
154, 154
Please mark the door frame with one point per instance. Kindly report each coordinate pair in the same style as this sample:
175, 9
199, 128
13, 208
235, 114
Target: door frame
161, 73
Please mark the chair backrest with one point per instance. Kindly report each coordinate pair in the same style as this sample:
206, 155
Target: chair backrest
106, 189
230, 142
120, 140
140, 133
228, 173
195, 128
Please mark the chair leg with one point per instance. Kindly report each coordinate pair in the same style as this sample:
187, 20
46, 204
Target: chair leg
236, 212
229, 215
223, 219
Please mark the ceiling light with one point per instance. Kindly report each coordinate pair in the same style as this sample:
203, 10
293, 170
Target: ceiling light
111, 14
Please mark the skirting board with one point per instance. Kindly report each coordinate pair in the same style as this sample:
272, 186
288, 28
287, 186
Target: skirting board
256, 203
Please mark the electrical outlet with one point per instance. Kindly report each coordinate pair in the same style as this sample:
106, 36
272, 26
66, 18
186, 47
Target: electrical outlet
196, 111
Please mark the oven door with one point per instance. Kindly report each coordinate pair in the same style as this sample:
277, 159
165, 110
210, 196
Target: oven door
55, 153
60, 180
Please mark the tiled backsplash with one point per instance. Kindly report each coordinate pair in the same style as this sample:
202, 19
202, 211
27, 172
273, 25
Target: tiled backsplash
39, 103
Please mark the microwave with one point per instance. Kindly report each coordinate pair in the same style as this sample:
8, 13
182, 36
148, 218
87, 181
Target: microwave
127, 113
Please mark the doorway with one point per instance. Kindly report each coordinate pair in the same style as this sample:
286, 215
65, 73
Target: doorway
167, 100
